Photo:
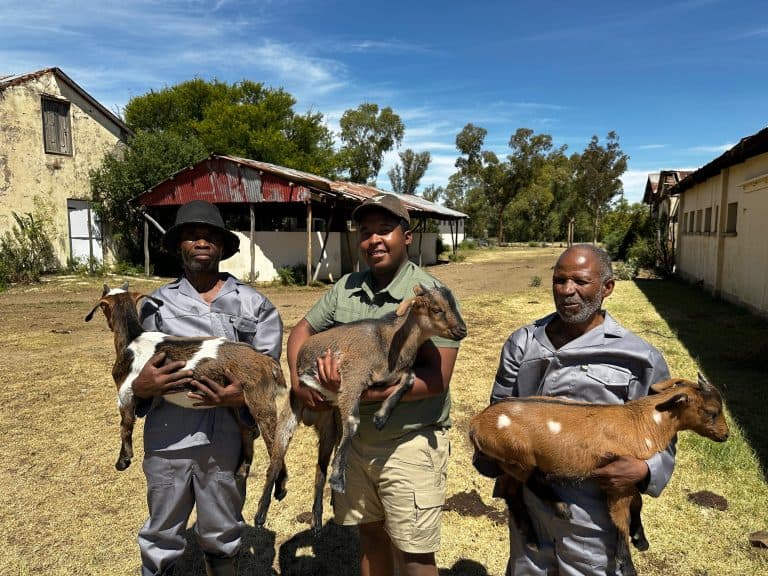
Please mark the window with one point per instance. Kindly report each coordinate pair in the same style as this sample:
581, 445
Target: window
698, 221
730, 219
708, 220
57, 132
717, 218
685, 223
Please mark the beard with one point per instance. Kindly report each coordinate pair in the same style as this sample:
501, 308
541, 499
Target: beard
589, 307
211, 265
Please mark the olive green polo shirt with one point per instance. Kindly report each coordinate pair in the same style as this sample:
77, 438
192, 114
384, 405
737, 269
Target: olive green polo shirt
353, 298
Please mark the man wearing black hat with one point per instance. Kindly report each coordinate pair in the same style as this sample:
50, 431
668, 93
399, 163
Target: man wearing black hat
395, 477
190, 456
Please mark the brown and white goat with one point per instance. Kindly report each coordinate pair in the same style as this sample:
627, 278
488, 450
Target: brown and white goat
261, 376
567, 441
371, 352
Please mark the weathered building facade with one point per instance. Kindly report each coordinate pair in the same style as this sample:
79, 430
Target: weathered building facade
723, 210
52, 134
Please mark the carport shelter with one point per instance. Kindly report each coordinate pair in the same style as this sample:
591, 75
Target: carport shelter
284, 217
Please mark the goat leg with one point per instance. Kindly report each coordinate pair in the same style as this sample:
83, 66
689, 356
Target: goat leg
619, 506
382, 414
276, 474
127, 419
636, 530
349, 429
327, 435
510, 489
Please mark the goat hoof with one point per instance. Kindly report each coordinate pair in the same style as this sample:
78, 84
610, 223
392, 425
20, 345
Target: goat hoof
280, 493
122, 464
379, 421
640, 543
338, 485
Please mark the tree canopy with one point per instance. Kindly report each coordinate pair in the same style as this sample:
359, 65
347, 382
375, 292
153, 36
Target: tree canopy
405, 177
242, 119
367, 133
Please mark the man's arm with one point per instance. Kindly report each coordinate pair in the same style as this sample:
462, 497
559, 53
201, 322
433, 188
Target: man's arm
308, 396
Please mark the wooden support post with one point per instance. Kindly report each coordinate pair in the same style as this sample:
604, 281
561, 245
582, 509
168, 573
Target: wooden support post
309, 242
252, 207
146, 247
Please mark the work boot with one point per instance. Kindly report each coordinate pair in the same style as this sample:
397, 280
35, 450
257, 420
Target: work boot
220, 566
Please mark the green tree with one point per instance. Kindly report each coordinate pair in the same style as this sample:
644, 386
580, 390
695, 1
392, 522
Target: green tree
405, 177
597, 177
367, 133
433, 193
149, 159
243, 119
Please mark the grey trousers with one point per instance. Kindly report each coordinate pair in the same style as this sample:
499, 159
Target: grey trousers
201, 477
584, 547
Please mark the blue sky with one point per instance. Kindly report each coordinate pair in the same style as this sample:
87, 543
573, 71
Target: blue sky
679, 81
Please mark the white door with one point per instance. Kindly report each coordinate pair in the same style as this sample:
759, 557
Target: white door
84, 232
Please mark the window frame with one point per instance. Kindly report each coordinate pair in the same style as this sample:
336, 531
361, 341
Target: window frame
57, 125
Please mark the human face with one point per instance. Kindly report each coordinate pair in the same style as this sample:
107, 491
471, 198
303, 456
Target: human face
577, 287
383, 243
201, 248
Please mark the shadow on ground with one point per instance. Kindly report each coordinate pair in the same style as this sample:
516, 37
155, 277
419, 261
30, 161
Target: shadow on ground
729, 344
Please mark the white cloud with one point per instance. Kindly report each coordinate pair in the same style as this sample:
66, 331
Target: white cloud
634, 184
651, 146
716, 149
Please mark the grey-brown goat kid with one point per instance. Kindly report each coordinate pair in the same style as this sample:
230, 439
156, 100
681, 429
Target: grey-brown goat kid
372, 352
567, 441
260, 375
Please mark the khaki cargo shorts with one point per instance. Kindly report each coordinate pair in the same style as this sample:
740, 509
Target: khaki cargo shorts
401, 483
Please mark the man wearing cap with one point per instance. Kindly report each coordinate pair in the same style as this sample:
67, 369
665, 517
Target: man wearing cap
190, 456
395, 477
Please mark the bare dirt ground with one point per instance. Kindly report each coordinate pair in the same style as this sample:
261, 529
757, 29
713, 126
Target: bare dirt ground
66, 510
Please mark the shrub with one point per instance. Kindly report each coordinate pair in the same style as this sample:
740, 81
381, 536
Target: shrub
625, 270
535, 281
295, 275
439, 245
468, 244
457, 256
26, 251
86, 266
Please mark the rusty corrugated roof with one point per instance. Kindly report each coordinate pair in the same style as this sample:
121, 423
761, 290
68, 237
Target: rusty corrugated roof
229, 179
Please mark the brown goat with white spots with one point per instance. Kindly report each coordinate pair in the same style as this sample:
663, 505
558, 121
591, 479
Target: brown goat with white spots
260, 375
567, 441
371, 352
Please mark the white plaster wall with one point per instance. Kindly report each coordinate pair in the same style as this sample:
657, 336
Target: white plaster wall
744, 276
275, 250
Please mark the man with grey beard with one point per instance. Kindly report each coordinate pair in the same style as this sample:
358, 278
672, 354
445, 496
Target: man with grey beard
580, 353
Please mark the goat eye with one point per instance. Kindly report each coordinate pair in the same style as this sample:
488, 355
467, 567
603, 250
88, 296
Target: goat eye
436, 310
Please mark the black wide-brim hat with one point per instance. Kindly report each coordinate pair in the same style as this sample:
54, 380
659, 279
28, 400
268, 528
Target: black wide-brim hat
200, 213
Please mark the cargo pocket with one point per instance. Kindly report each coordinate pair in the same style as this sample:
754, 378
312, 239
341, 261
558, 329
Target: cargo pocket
427, 503
245, 329
614, 379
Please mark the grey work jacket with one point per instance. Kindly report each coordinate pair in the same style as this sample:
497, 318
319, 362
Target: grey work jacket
607, 365
238, 313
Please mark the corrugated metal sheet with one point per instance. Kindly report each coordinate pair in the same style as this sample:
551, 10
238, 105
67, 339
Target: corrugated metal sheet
228, 179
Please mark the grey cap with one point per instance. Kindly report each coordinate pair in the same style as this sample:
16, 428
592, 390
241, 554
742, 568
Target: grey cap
387, 202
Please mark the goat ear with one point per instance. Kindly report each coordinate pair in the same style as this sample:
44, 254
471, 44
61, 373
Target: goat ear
704, 384
106, 290
419, 289
405, 305
670, 404
124, 286
90, 314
